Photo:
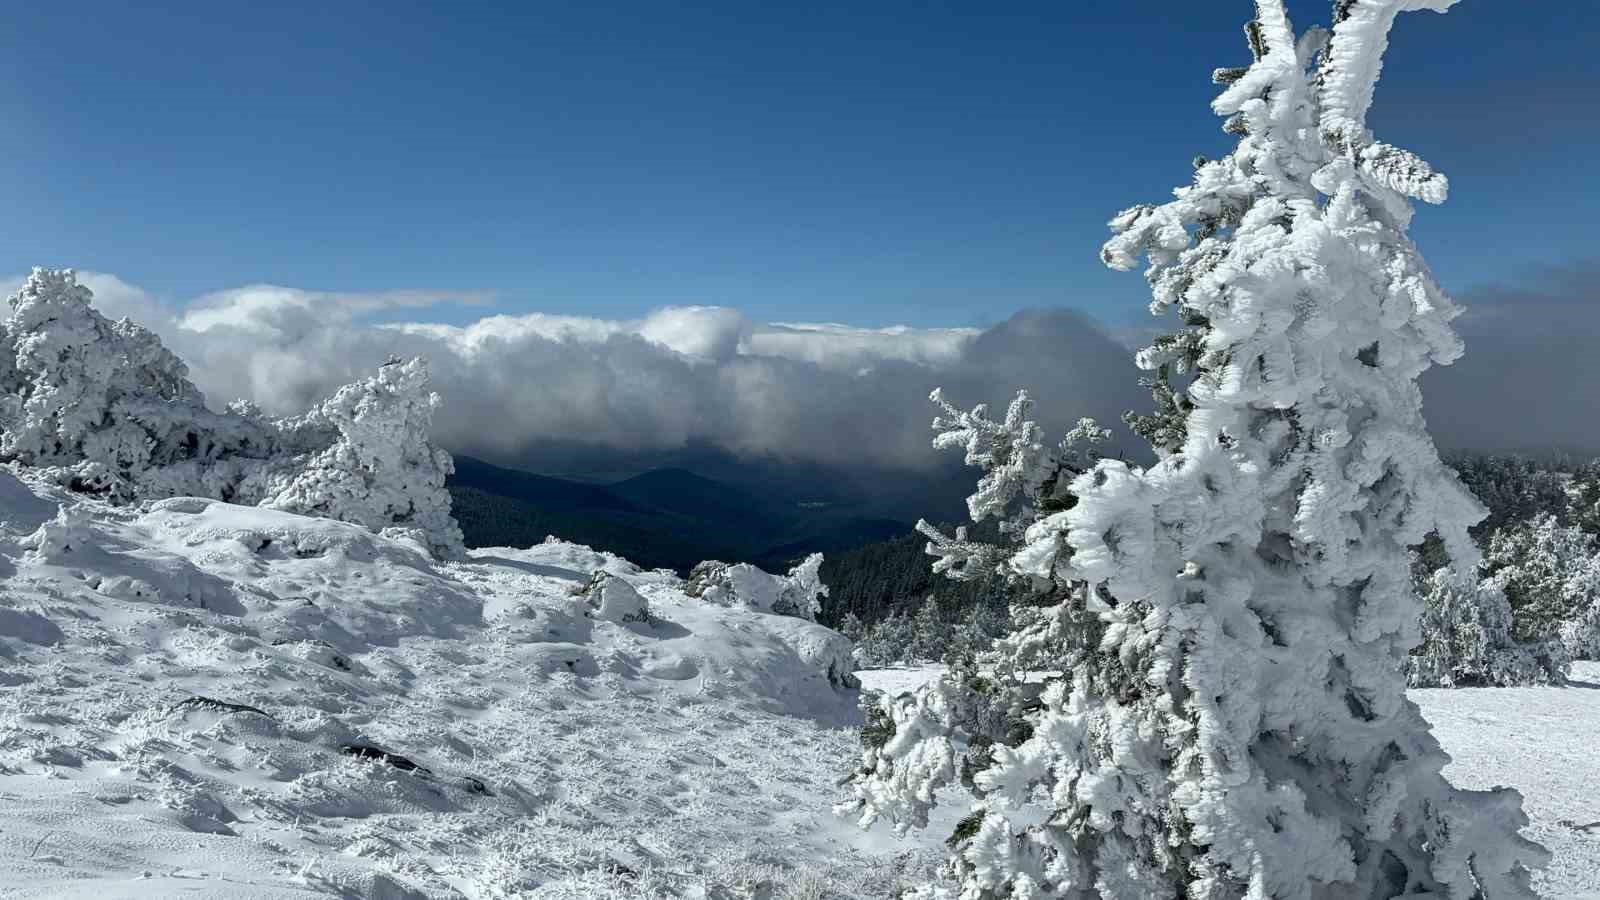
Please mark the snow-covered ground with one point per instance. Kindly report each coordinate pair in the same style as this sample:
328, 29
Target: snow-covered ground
208, 700
1543, 741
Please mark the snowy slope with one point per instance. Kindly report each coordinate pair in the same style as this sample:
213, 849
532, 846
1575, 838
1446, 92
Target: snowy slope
565, 755
1545, 742
1540, 740
199, 699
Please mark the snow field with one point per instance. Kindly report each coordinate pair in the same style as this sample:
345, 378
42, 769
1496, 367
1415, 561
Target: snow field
199, 699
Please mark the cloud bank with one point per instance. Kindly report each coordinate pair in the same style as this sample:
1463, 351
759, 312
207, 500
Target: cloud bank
525, 390
1530, 379
517, 387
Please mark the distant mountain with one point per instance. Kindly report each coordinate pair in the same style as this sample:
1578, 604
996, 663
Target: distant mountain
938, 494
668, 517
842, 535
682, 493
539, 490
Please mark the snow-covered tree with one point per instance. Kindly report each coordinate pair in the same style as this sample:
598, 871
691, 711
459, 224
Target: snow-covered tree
1467, 639
1586, 496
1550, 573
59, 389
383, 470
1022, 481
1218, 708
104, 407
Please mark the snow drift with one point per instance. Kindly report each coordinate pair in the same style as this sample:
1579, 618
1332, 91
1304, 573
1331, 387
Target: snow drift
204, 697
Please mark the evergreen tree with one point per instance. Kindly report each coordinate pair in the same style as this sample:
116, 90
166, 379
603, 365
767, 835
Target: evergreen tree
103, 407
1515, 489
1229, 625
1467, 639
383, 470
1550, 574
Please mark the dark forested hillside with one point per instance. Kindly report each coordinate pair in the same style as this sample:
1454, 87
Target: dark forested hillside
669, 518
892, 577
493, 520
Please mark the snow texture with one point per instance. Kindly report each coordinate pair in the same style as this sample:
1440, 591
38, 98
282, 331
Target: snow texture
212, 700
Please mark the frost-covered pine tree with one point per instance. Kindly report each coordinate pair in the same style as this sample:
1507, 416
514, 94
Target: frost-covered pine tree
105, 408
1023, 479
1550, 574
1218, 708
382, 471
1467, 639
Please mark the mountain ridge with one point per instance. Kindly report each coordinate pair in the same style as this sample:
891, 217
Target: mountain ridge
665, 517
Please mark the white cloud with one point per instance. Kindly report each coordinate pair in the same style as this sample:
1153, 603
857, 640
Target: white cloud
114, 298
280, 308
844, 347
826, 393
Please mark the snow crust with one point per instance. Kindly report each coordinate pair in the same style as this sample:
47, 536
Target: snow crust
209, 699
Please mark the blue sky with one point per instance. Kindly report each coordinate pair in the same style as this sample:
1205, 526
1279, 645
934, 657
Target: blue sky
869, 163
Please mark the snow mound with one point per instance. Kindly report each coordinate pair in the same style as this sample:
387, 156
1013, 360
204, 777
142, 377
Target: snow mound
798, 593
209, 699
614, 600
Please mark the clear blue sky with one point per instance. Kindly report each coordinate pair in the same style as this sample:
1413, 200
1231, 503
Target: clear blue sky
871, 163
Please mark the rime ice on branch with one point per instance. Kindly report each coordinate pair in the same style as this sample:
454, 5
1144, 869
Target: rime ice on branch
1229, 625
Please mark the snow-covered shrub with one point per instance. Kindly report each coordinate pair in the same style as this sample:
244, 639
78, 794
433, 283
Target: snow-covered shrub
1467, 639
798, 594
1550, 574
382, 471
614, 600
1211, 704
103, 407
803, 590
54, 540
